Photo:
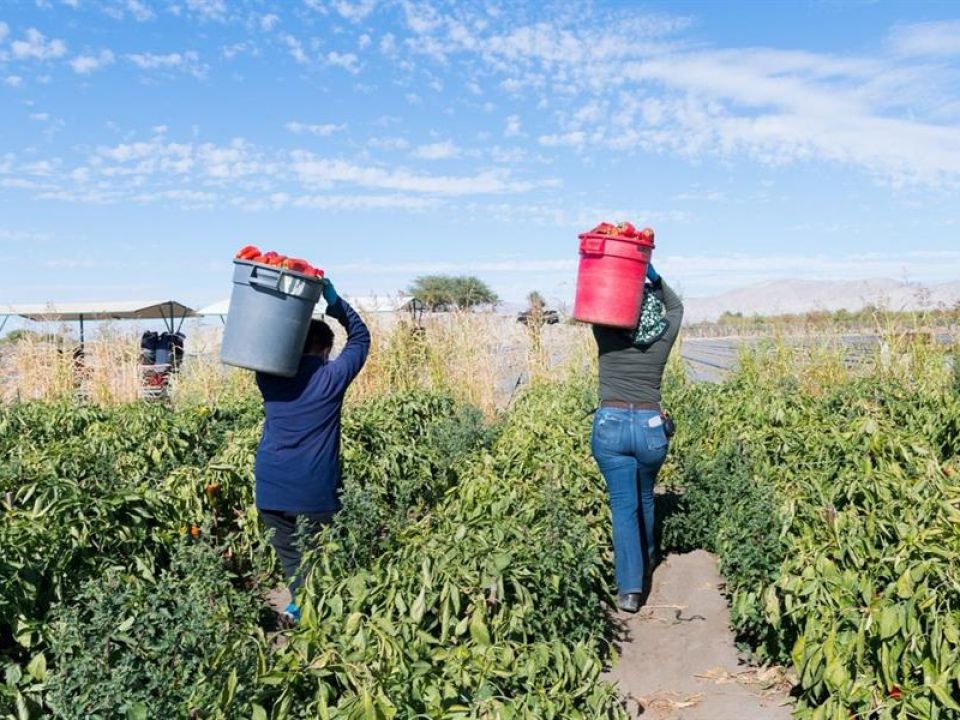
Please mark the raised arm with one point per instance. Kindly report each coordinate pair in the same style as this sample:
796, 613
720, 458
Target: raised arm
672, 304
354, 354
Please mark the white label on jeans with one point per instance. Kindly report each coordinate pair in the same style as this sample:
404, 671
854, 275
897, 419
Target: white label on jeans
656, 421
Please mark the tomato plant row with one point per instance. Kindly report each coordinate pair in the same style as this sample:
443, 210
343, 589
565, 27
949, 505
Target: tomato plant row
835, 509
464, 576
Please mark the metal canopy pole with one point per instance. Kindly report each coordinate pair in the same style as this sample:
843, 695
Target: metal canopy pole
183, 319
4, 323
81, 334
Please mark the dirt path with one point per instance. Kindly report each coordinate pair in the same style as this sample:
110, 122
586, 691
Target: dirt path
678, 660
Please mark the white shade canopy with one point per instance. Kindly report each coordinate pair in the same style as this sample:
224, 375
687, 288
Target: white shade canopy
114, 310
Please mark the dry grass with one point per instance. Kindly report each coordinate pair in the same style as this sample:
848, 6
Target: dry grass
480, 358
37, 369
477, 357
49, 367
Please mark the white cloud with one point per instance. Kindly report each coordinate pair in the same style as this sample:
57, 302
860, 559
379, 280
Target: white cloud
432, 266
35, 46
363, 41
268, 22
295, 47
40, 117
324, 130
186, 199
513, 126
347, 61
324, 172
570, 139
140, 10
40, 168
361, 202
388, 143
232, 51
208, 9
701, 195
354, 11
4, 31
188, 62
388, 45
890, 115
23, 184
437, 151
927, 38
84, 64
13, 80
509, 156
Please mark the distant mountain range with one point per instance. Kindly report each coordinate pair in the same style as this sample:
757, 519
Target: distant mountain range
781, 297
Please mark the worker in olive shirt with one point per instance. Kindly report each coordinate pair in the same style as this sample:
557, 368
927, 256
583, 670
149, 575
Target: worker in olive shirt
629, 441
298, 461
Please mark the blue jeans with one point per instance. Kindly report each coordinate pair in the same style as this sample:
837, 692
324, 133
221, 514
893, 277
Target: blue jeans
630, 450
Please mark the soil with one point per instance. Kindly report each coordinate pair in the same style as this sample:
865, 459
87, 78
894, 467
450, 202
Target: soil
678, 658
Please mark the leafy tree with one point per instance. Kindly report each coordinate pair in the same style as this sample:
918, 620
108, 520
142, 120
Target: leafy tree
446, 292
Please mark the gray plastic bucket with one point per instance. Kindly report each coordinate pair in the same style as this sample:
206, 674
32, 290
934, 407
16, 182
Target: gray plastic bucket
270, 311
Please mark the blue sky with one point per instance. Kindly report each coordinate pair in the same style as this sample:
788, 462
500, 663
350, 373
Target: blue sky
142, 143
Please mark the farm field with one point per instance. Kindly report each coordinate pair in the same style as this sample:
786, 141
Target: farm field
468, 574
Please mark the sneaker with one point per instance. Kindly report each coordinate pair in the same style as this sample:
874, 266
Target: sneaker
291, 614
629, 602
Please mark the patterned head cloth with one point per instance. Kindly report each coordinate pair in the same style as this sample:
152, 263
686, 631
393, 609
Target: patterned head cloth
653, 321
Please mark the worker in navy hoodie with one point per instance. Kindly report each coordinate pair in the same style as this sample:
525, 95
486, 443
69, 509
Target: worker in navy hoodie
298, 461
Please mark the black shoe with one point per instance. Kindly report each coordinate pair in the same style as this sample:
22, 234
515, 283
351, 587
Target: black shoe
629, 602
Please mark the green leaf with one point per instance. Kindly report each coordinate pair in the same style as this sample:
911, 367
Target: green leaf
12, 675
905, 585
37, 669
478, 628
419, 606
889, 622
137, 711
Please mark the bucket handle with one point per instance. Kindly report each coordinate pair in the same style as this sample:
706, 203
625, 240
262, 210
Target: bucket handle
270, 283
592, 245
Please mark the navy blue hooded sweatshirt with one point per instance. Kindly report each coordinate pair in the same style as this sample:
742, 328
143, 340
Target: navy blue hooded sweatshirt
298, 461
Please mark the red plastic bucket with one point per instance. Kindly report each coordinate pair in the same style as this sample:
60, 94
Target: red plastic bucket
610, 279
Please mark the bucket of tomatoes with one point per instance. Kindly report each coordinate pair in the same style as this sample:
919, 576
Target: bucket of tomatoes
271, 305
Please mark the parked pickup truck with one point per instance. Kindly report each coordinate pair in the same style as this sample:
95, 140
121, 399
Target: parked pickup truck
547, 317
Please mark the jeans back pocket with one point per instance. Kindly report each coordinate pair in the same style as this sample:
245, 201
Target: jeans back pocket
656, 437
608, 430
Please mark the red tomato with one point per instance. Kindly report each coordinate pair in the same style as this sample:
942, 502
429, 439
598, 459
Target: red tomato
247, 252
296, 264
604, 228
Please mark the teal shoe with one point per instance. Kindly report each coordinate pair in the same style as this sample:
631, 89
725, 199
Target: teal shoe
291, 613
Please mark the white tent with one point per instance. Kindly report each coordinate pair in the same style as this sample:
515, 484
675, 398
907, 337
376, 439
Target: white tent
384, 303
221, 309
167, 310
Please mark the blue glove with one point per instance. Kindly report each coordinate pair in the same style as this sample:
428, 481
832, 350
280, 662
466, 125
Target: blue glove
329, 292
652, 275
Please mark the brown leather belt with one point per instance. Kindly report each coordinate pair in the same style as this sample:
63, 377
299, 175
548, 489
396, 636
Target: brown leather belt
623, 405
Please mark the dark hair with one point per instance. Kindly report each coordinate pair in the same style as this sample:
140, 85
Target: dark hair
319, 338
